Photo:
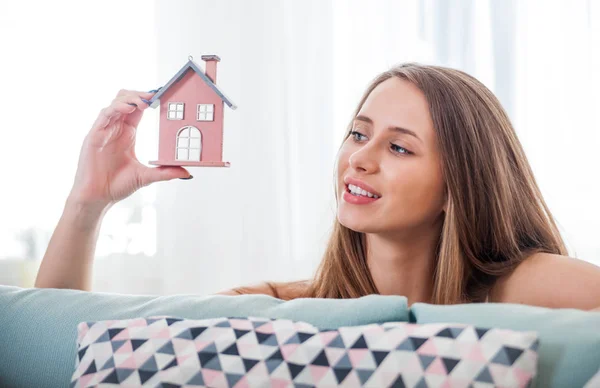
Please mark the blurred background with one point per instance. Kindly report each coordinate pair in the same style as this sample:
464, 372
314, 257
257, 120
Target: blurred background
296, 70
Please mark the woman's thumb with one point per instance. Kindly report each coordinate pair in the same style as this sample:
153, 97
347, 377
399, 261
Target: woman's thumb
164, 173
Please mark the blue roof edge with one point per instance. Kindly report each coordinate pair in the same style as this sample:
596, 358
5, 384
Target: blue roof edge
190, 64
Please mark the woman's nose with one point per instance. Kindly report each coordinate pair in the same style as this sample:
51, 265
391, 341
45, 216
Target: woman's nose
364, 160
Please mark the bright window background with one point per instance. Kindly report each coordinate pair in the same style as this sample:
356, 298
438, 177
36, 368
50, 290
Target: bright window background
269, 215
61, 64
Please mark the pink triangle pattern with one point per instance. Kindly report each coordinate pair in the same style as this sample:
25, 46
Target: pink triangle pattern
317, 372
357, 355
437, 367
288, 350
266, 328
428, 348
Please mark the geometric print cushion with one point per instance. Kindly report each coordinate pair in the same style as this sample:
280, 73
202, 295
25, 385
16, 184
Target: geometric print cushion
164, 351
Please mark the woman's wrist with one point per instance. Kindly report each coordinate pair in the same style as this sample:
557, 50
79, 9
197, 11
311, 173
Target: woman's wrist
84, 214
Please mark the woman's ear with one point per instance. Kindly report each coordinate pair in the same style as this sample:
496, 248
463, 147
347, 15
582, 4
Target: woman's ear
446, 200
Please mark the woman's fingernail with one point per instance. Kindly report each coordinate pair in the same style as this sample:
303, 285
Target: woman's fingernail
146, 101
189, 177
132, 104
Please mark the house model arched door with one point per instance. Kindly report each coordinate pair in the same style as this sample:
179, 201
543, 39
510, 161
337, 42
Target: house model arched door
189, 144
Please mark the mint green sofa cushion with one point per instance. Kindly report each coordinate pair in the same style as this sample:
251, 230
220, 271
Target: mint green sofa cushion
569, 339
38, 327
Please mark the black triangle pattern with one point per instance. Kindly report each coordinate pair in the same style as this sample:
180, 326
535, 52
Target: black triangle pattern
112, 378
240, 333
450, 363
264, 349
398, 383
112, 333
445, 333
196, 331
145, 375
205, 357
136, 343
172, 364
360, 343
171, 321
304, 337
82, 352
379, 356
295, 369
263, 337
91, 368
232, 350
417, 342
480, 332
249, 363
341, 373
321, 359
513, 354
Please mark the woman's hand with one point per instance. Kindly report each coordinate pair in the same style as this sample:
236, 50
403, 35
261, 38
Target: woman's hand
108, 169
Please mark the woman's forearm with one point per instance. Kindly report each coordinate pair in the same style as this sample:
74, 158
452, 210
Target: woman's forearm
68, 261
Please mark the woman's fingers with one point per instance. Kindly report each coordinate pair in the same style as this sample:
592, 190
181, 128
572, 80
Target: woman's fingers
125, 92
123, 104
151, 175
134, 100
141, 101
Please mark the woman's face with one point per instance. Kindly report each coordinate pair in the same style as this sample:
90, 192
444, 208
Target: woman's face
382, 157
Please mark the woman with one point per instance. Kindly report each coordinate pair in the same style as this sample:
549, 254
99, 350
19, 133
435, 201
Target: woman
436, 202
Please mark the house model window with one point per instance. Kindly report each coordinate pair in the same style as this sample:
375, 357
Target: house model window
175, 111
189, 144
206, 112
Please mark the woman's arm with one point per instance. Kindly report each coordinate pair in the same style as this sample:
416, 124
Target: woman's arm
280, 290
108, 171
68, 260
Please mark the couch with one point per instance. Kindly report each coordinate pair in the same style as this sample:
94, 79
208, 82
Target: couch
38, 327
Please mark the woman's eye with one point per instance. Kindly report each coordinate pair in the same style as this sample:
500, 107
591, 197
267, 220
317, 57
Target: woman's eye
400, 150
356, 135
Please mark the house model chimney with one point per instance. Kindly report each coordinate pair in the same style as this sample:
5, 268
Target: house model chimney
211, 66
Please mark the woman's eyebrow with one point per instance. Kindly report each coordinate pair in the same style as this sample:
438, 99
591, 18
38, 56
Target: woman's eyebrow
395, 129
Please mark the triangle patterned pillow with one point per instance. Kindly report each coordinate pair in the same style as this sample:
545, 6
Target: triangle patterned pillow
163, 351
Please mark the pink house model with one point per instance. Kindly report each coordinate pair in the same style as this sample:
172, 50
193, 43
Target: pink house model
191, 117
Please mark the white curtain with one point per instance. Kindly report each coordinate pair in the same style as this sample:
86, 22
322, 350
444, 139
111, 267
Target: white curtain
296, 70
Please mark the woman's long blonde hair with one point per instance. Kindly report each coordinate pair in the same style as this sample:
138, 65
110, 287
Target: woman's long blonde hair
496, 216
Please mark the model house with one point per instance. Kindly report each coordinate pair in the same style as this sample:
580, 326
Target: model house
191, 117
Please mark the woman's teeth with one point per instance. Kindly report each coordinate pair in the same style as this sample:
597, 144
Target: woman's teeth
355, 190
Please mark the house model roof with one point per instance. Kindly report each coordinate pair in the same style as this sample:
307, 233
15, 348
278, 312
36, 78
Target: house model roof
190, 65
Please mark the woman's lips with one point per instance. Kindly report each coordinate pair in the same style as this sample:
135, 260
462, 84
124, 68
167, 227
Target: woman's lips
357, 199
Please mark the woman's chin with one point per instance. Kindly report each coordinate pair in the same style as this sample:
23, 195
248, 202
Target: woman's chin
353, 223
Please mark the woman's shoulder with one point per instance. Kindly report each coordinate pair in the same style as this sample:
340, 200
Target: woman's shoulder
281, 290
550, 280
